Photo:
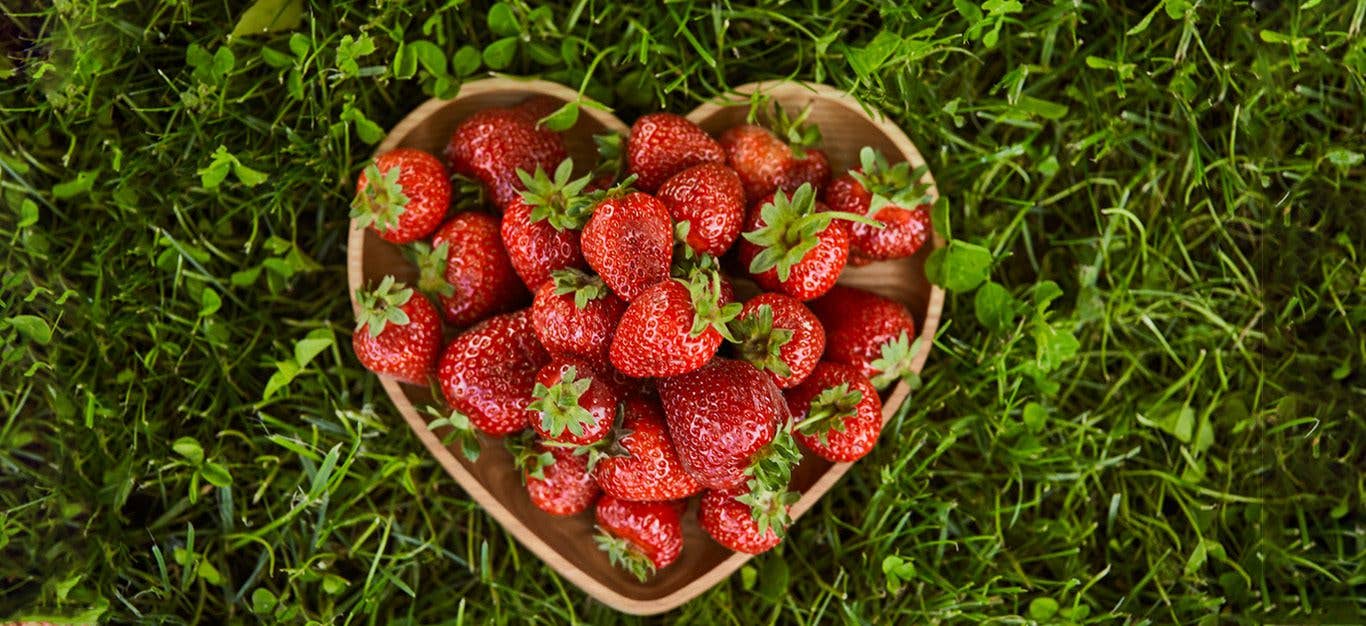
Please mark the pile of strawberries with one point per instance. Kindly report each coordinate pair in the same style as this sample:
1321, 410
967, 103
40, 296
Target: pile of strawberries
593, 323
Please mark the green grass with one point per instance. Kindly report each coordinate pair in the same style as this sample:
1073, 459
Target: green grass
1152, 414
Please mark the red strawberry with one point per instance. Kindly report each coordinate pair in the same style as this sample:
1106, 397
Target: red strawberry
556, 479
711, 200
570, 405
541, 227
796, 245
778, 334
890, 194
539, 106
493, 144
631, 386
664, 144
868, 331
575, 314
398, 333
732, 523
629, 242
768, 162
640, 463
836, 412
639, 537
672, 328
467, 269
409, 197
489, 371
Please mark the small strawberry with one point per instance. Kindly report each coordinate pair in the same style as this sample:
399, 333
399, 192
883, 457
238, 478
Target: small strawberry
556, 479
779, 334
868, 331
570, 405
664, 144
575, 315
468, 271
398, 333
541, 227
672, 328
836, 412
629, 242
732, 523
795, 245
711, 200
489, 371
410, 194
890, 194
640, 463
639, 537
768, 162
493, 144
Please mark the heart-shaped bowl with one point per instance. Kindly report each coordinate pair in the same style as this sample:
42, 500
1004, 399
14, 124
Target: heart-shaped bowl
566, 544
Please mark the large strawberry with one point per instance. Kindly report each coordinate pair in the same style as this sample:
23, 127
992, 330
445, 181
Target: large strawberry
796, 245
768, 162
836, 412
574, 315
556, 479
640, 464
672, 328
664, 144
711, 200
868, 331
639, 537
467, 269
489, 371
779, 334
398, 333
629, 242
732, 523
493, 144
570, 404
541, 226
402, 196
890, 194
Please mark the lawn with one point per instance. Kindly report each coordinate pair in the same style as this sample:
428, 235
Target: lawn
1144, 407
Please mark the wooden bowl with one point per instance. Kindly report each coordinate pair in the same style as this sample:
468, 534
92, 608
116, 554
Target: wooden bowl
565, 543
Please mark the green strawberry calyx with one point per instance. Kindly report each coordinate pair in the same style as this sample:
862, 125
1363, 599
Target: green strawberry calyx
760, 343
791, 228
769, 508
611, 156
557, 199
382, 200
799, 135
559, 404
624, 554
382, 306
431, 268
895, 362
828, 411
462, 431
585, 287
527, 457
890, 185
611, 446
769, 472
704, 287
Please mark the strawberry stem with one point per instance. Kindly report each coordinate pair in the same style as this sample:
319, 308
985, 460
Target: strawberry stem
526, 455
382, 306
896, 361
382, 200
705, 288
829, 410
624, 554
792, 228
760, 343
770, 471
559, 404
431, 266
462, 431
890, 185
558, 200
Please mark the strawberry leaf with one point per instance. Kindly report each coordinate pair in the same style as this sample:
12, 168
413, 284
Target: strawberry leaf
585, 287
705, 289
559, 200
897, 357
382, 306
791, 228
559, 404
382, 200
624, 554
829, 410
462, 431
528, 457
760, 343
431, 265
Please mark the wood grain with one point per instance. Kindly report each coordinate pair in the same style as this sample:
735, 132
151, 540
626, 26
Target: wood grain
565, 543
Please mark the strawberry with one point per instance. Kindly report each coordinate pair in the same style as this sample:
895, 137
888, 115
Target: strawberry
468, 271
672, 328
711, 201
539, 106
732, 523
570, 405
664, 144
890, 194
639, 537
541, 227
493, 144
869, 332
836, 412
489, 371
768, 162
630, 386
640, 463
795, 245
556, 479
398, 333
409, 197
629, 242
778, 334
575, 314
